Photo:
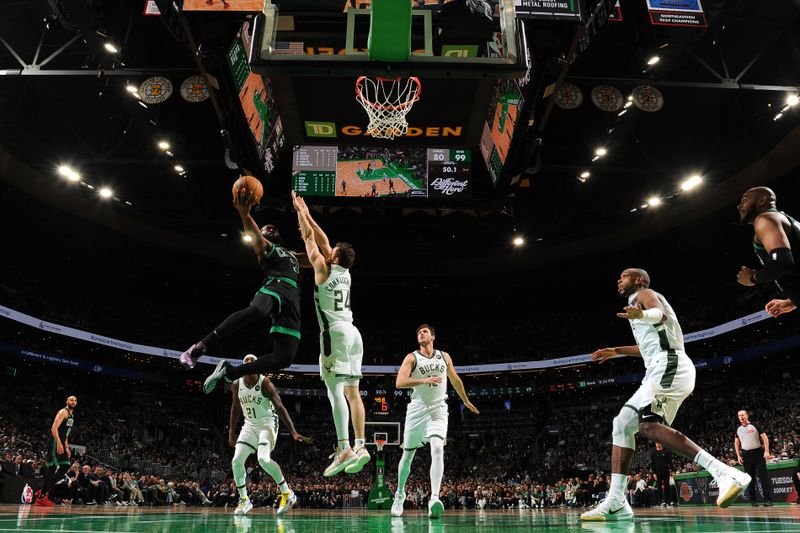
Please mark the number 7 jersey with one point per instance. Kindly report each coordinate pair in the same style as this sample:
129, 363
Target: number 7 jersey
332, 298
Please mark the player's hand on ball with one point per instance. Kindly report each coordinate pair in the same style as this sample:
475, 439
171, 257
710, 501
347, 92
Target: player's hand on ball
471, 407
299, 438
432, 380
602, 354
242, 201
745, 276
778, 307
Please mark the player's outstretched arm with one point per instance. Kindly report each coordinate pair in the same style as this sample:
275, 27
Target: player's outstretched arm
269, 390
319, 236
242, 204
604, 354
236, 410
769, 230
458, 385
404, 379
315, 258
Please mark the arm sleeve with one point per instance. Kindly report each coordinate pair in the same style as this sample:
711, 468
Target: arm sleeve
780, 263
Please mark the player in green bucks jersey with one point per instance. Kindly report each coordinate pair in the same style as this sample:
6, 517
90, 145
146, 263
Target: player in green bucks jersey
341, 348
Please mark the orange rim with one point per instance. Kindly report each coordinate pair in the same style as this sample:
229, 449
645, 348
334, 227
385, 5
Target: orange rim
373, 105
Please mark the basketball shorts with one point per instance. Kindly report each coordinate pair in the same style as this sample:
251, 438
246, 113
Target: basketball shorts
424, 421
286, 318
668, 382
341, 353
53, 457
253, 435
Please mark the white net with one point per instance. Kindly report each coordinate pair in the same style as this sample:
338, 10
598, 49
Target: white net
387, 101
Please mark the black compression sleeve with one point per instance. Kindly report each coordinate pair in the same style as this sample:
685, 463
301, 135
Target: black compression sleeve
780, 263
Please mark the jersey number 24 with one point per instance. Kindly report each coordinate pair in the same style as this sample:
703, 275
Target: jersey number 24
341, 300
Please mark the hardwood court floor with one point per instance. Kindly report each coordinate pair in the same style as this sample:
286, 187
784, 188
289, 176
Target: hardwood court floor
81, 519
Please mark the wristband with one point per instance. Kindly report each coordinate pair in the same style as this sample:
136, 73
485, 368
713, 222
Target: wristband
653, 316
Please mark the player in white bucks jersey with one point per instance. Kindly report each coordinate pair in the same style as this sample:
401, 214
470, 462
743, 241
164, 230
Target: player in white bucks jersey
668, 380
341, 348
256, 397
426, 370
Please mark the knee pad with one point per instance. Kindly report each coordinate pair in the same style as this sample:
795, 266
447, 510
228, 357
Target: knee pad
624, 428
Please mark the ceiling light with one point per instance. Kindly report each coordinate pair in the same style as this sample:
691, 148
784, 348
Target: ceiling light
691, 183
164, 145
653, 60
132, 88
247, 238
110, 47
105, 192
630, 98
179, 168
779, 115
654, 201
518, 241
628, 103
585, 174
600, 152
69, 173
792, 100
622, 112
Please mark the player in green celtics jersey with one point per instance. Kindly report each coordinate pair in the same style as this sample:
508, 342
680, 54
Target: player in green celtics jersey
341, 348
256, 397
58, 453
276, 301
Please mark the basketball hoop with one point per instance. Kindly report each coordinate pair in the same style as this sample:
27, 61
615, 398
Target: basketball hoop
387, 101
380, 443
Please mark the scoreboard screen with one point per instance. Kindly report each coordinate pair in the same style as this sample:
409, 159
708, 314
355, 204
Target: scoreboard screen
371, 172
381, 405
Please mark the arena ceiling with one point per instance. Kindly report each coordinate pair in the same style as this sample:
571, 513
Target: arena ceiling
722, 88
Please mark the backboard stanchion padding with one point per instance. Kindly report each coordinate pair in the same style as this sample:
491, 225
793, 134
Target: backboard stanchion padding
380, 497
389, 30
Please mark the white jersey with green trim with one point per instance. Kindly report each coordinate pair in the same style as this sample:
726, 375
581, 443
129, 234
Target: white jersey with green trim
425, 367
332, 298
257, 408
657, 339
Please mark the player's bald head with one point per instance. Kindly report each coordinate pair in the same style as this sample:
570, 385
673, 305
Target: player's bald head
762, 192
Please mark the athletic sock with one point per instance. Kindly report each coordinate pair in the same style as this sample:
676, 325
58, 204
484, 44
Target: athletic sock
714, 467
617, 489
344, 445
283, 486
242, 490
359, 442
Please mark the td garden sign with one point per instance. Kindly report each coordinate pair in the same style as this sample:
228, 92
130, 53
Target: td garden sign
330, 130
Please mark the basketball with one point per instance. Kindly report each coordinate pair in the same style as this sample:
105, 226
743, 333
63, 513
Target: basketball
252, 185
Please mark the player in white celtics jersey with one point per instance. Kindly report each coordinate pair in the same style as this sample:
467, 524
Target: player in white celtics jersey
426, 370
341, 348
668, 380
256, 397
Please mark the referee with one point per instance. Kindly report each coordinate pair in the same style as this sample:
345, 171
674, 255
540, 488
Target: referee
753, 456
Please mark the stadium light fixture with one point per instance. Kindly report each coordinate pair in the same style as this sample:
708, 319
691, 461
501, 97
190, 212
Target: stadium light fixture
792, 100
164, 145
692, 183
247, 238
105, 192
654, 201
179, 168
69, 173
110, 47
518, 241
653, 60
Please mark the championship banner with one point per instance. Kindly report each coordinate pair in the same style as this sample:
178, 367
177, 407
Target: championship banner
688, 13
701, 488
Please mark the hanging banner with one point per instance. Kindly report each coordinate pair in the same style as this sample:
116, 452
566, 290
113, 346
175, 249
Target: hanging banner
155, 90
194, 89
688, 13
568, 96
648, 98
616, 14
548, 9
607, 98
